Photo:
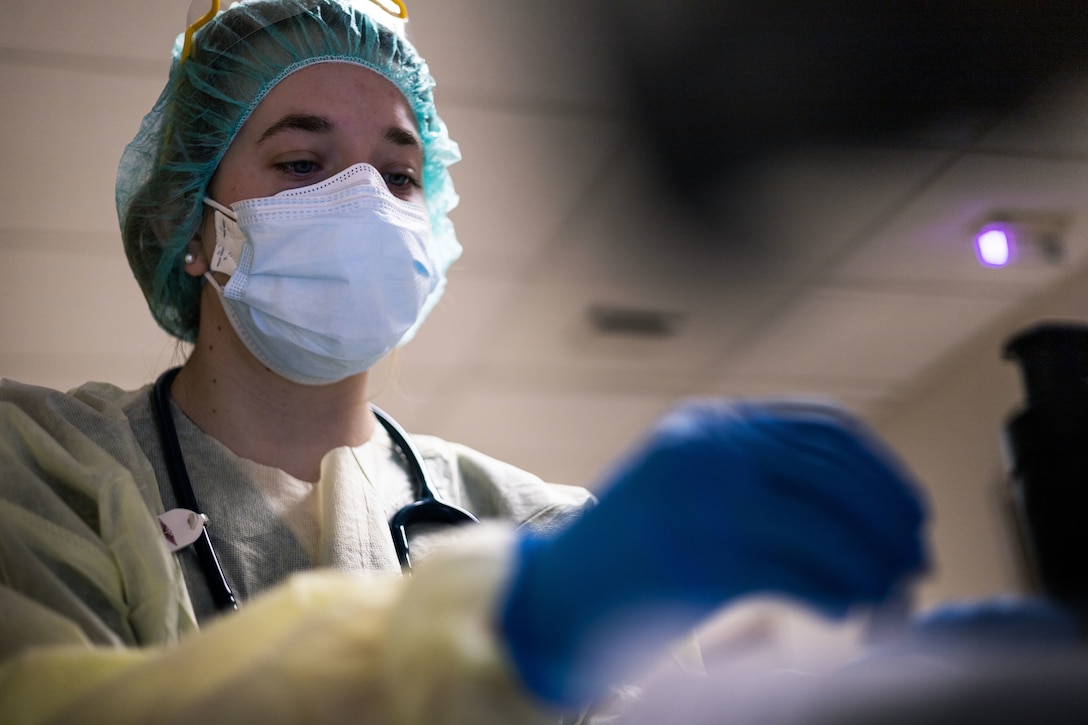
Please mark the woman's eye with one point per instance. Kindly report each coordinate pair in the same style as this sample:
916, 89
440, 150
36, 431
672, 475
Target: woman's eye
302, 167
399, 181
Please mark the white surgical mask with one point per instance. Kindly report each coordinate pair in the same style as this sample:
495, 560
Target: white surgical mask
325, 279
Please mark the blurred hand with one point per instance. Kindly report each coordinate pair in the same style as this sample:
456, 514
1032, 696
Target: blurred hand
722, 500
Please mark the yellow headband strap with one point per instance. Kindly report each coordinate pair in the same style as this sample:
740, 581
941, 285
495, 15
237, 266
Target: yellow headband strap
401, 13
187, 46
402, 9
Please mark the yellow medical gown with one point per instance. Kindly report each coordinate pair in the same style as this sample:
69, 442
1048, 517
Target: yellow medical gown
100, 622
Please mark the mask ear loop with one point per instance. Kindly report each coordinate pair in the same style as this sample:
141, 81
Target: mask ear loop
229, 240
187, 45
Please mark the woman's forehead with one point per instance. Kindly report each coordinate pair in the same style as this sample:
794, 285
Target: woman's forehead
335, 87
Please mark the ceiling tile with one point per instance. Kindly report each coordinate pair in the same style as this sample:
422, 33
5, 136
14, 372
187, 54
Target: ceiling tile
521, 176
563, 436
1054, 122
808, 210
812, 207
866, 398
931, 239
548, 324
536, 55
839, 340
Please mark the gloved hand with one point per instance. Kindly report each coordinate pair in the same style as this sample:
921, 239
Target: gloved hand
723, 500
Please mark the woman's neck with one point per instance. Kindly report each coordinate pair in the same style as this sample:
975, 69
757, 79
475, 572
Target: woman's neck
261, 416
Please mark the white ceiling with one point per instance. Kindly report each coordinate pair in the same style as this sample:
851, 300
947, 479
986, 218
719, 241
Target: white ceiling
870, 283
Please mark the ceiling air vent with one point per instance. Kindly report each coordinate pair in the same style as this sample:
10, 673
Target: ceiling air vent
633, 322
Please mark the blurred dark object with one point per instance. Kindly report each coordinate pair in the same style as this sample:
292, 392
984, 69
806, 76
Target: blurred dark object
715, 85
1048, 448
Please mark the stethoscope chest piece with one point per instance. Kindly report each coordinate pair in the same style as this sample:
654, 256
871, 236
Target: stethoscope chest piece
181, 527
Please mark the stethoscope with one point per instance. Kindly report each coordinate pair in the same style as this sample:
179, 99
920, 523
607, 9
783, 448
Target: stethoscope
428, 508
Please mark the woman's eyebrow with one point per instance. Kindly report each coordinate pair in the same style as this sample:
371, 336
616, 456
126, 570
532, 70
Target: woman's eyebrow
297, 122
403, 137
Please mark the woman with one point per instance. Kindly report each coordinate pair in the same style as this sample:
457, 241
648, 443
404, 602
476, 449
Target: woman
284, 208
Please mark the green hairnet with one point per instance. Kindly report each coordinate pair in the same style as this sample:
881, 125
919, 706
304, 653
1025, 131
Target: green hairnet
235, 60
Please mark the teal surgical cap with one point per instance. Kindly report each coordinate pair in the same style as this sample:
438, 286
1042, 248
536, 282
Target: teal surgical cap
235, 60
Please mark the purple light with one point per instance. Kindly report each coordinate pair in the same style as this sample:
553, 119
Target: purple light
994, 246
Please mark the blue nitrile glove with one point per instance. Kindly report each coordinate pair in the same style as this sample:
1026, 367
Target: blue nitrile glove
723, 500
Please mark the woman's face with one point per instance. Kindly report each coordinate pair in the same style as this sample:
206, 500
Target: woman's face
314, 124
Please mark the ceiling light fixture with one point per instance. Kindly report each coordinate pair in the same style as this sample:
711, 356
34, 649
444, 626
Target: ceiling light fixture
995, 245
1016, 238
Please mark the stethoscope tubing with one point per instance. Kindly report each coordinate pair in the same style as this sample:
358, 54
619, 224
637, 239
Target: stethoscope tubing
222, 594
428, 506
